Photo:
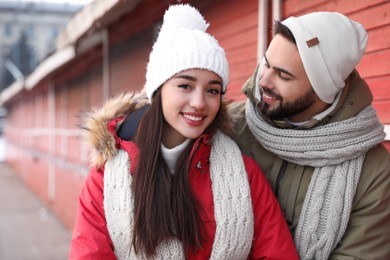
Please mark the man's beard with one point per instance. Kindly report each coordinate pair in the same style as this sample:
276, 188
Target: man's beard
286, 109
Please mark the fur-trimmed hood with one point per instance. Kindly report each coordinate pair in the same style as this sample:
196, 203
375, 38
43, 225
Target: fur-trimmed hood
100, 140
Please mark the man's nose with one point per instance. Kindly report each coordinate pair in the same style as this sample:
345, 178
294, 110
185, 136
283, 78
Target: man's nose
265, 77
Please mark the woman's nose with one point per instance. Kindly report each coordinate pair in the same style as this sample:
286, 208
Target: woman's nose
197, 100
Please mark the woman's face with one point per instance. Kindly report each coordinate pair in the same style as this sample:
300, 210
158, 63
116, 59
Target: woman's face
190, 102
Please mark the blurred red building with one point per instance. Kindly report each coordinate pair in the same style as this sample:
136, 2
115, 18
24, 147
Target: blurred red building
104, 51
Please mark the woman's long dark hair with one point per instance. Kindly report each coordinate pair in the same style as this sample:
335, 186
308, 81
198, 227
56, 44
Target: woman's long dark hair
164, 207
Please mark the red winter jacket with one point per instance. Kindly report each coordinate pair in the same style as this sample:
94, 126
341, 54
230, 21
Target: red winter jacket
272, 239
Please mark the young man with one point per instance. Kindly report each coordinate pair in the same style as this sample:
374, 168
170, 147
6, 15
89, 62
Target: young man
309, 124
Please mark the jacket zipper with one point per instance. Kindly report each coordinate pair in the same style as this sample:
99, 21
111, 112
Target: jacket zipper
193, 150
281, 173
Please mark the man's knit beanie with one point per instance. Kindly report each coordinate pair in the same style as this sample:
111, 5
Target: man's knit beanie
182, 44
330, 45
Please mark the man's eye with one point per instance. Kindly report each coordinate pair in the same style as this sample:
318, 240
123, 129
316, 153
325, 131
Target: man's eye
284, 76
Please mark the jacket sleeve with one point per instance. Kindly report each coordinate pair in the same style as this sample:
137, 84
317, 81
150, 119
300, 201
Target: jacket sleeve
368, 231
90, 238
272, 238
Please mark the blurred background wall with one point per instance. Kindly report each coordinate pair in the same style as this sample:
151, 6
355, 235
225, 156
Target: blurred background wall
28, 33
103, 50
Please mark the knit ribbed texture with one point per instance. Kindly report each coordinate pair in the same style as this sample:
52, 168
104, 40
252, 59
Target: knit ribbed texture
232, 205
118, 203
232, 200
119, 211
337, 152
326, 209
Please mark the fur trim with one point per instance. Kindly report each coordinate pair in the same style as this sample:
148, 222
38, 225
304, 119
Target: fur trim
97, 137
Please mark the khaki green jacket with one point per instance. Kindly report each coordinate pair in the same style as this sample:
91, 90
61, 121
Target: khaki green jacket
368, 232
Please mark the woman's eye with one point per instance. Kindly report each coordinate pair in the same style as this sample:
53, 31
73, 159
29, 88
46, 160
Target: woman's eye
184, 86
214, 91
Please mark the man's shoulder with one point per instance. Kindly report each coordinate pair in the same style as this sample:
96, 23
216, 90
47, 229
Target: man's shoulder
378, 159
237, 114
375, 174
237, 107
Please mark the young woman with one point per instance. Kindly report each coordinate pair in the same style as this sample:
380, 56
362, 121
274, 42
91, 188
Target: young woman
181, 188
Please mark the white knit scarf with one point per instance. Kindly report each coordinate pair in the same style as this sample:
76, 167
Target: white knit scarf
337, 152
232, 205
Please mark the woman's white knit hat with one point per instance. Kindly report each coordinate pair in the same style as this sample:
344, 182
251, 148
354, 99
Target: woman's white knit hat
330, 46
182, 44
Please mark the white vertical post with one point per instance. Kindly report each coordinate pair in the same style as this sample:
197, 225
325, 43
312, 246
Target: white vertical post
276, 10
262, 25
52, 142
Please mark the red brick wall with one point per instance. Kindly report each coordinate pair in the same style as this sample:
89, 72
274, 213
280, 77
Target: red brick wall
39, 151
128, 63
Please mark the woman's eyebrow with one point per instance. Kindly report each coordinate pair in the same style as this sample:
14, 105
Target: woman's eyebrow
218, 82
182, 76
188, 77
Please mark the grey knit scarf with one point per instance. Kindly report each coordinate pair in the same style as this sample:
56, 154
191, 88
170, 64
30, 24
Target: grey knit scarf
337, 152
232, 205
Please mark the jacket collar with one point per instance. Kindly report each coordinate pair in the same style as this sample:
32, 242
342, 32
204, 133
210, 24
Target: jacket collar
128, 146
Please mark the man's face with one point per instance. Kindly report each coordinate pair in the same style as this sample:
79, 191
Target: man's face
284, 86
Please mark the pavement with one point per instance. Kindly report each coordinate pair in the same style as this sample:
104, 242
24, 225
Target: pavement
28, 229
